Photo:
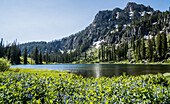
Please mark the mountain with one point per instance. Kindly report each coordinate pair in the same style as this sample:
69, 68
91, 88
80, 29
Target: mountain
110, 26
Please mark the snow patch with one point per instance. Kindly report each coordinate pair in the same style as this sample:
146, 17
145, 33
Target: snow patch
61, 51
116, 25
124, 25
149, 12
142, 13
116, 46
97, 44
117, 16
112, 31
130, 14
148, 37
109, 19
161, 32
154, 23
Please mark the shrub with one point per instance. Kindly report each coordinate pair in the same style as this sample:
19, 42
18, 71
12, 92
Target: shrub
4, 65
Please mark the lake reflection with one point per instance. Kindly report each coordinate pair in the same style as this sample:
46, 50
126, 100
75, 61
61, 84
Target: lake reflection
97, 70
100, 70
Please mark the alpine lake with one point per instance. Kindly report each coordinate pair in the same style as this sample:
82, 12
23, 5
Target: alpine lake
102, 70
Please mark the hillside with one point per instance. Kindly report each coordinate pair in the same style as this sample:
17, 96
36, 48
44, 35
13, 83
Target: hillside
115, 26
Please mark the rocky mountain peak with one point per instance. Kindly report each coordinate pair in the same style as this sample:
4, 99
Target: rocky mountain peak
131, 6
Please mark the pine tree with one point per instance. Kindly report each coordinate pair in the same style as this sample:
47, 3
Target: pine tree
150, 49
143, 49
102, 48
118, 53
109, 55
32, 56
36, 55
2, 49
40, 57
159, 46
15, 54
113, 52
85, 55
9, 53
133, 43
25, 55
99, 54
47, 58
164, 45
154, 47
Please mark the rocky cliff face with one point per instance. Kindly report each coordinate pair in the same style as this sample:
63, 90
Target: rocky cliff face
131, 6
112, 26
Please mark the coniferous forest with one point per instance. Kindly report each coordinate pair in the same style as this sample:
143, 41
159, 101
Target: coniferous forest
153, 47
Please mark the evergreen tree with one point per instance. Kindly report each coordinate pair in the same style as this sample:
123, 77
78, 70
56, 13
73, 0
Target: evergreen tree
99, 54
85, 55
138, 50
113, 52
9, 53
32, 56
102, 48
159, 46
154, 47
15, 54
143, 49
118, 53
150, 49
47, 58
25, 55
164, 45
36, 55
40, 57
109, 55
2, 49
133, 43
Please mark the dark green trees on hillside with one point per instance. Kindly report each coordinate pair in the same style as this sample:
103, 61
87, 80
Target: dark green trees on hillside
25, 55
164, 45
2, 49
40, 58
143, 49
161, 46
36, 56
15, 53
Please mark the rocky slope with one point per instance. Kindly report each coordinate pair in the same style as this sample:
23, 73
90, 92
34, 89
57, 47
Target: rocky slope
111, 26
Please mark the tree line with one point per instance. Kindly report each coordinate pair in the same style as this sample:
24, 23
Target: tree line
155, 48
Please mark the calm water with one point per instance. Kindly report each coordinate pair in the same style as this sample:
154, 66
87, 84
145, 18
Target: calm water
99, 70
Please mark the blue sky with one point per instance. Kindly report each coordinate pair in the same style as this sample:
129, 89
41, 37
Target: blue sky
47, 20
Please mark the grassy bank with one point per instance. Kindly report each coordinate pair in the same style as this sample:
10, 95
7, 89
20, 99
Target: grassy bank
48, 86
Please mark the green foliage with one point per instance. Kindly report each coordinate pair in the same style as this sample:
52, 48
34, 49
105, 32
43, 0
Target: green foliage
143, 49
159, 45
36, 55
2, 49
25, 55
15, 53
40, 57
4, 65
164, 45
49, 88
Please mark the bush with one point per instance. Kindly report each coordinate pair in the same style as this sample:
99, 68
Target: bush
4, 65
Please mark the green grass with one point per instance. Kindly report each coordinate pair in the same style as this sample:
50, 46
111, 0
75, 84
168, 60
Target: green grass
29, 60
42, 71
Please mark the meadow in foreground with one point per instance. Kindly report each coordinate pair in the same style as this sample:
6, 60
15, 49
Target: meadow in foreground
55, 87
